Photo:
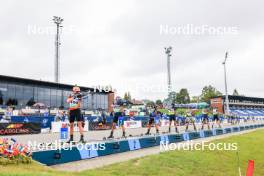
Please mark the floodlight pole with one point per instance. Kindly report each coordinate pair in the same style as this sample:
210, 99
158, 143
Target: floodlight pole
168, 53
57, 21
226, 92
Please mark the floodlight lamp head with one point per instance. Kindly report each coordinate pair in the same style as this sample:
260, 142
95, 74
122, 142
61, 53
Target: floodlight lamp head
57, 19
168, 50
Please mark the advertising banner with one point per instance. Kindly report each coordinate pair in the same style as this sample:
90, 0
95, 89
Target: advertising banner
56, 126
19, 128
166, 123
100, 126
132, 124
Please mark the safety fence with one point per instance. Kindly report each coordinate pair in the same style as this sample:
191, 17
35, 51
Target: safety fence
95, 123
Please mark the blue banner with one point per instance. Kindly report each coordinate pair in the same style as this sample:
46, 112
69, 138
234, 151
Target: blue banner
44, 121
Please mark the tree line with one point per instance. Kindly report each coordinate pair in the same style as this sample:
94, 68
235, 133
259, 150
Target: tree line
183, 96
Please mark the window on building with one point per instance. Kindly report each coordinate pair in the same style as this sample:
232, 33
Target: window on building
28, 95
20, 95
3, 93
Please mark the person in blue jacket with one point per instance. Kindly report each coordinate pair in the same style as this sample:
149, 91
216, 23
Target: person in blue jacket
205, 120
173, 117
154, 117
118, 119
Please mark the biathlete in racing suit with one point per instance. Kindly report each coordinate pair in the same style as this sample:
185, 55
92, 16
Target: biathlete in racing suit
154, 117
118, 119
74, 101
216, 118
173, 117
205, 119
190, 119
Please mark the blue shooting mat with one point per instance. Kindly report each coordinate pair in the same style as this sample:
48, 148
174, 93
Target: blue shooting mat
134, 144
89, 151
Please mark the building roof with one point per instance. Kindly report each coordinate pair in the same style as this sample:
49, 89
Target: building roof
45, 83
242, 98
137, 102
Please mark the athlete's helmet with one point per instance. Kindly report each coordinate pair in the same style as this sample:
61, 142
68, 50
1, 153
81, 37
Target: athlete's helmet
76, 89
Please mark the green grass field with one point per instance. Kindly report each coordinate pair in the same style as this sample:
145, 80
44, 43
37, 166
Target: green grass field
180, 163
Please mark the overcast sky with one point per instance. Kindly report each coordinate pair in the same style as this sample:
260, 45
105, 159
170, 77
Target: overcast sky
121, 43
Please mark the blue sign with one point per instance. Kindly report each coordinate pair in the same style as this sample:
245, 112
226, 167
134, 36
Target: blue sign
202, 134
88, 151
186, 136
214, 132
164, 139
64, 133
134, 144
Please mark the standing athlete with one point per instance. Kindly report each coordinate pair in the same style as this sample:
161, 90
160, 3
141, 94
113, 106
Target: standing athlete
190, 119
216, 118
173, 116
205, 119
74, 101
154, 117
118, 118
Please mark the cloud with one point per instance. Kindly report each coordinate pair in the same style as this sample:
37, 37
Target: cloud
119, 43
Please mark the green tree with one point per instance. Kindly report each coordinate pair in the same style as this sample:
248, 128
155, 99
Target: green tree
209, 92
183, 97
172, 96
159, 102
150, 104
195, 99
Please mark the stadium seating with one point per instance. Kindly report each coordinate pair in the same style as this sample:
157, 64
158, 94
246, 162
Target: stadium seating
247, 112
